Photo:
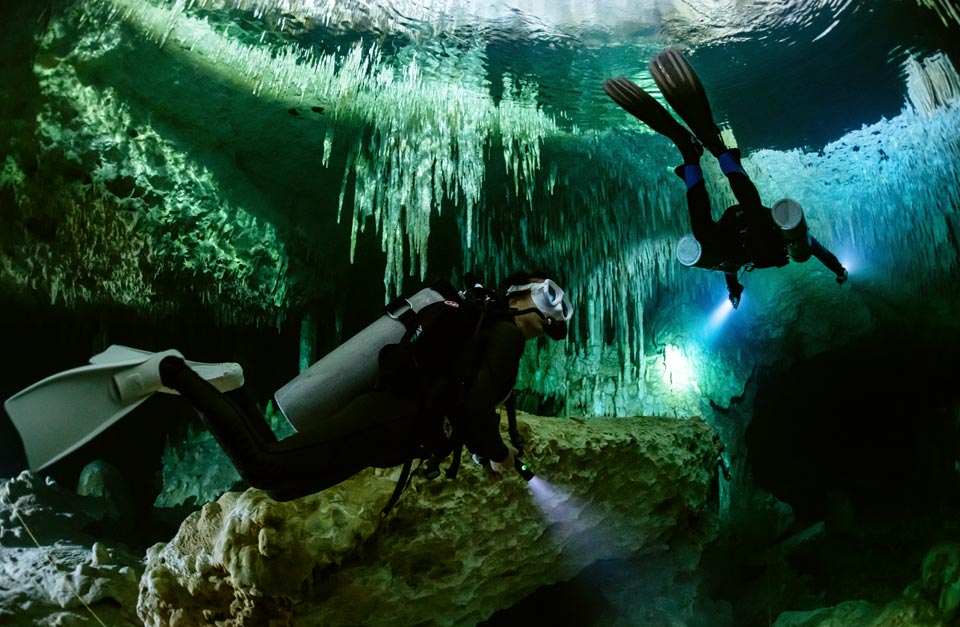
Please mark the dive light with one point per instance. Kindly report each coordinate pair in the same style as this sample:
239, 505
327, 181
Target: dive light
521, 466
523, 469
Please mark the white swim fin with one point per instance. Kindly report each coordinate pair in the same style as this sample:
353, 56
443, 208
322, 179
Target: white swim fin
63, 412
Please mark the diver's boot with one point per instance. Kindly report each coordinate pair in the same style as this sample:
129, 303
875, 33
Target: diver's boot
729, 160
690, 149
692, 174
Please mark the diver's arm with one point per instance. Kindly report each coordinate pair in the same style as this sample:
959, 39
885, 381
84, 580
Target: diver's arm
501, 346
828, 259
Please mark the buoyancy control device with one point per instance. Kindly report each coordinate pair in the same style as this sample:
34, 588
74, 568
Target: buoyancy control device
351, 368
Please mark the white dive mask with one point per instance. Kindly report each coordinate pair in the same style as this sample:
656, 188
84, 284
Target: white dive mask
548, 298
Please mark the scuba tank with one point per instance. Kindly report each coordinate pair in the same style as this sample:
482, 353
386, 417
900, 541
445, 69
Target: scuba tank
351, 368
691, 253
788, 215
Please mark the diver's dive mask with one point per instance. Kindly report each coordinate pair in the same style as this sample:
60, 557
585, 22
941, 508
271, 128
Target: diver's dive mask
551, 302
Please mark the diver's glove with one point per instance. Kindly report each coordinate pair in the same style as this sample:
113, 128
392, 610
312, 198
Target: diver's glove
735, 293
842, 278
507, 464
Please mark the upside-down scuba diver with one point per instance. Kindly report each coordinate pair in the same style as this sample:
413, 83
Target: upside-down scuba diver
748, 235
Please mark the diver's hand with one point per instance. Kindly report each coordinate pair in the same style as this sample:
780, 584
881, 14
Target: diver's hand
735, 292
505, 465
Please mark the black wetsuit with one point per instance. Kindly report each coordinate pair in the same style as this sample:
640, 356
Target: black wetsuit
381, 428
746, 233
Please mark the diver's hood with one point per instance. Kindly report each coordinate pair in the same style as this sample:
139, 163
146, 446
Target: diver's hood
551, 303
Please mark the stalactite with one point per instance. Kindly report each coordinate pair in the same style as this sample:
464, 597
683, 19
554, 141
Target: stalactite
603, 207
431, 133
308, 342
947, 10
932, 83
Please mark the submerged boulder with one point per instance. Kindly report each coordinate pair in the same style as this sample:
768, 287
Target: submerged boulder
453, 552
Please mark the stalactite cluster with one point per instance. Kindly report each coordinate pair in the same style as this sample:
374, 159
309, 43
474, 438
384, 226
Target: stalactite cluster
412, 136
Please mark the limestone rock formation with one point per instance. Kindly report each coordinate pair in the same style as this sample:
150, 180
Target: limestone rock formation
453, 552
932, 601
54, 572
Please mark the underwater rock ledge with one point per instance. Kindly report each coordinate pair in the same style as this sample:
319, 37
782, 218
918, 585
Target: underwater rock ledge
453, 552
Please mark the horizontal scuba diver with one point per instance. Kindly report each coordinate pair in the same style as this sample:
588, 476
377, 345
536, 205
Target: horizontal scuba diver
748, 235
436, 391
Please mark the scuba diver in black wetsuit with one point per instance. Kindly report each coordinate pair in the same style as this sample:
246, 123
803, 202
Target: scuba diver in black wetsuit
748, 235
437, 390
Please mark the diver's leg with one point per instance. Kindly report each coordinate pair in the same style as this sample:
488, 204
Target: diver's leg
828, 259
387, 430
305, 462
698, 204
242, 399
743, 188
244, 443
389, 425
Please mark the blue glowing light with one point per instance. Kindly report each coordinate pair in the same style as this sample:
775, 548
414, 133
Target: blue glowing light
852, 259
720, 315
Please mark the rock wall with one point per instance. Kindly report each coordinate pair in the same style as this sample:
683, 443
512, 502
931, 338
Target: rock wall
931, 601
453, 552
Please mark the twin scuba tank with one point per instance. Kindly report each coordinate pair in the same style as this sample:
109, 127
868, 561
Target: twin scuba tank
787, 215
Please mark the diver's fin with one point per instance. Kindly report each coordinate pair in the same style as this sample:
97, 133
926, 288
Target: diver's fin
682, 89
223, 376
645, 108
63, 412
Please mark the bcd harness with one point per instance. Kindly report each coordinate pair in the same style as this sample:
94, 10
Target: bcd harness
398, 365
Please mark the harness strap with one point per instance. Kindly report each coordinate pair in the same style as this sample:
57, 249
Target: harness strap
410, 320
457, 440
451, 472
398, 489
515, 438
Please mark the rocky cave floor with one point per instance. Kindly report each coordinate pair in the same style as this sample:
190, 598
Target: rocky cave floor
865, 508
872, 559
867, 554
856, 551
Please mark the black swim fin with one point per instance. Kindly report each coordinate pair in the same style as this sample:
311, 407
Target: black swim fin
682, 89
645, 108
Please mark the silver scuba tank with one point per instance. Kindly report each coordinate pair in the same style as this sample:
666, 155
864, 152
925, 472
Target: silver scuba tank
347, 371
788, 215
691, 253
